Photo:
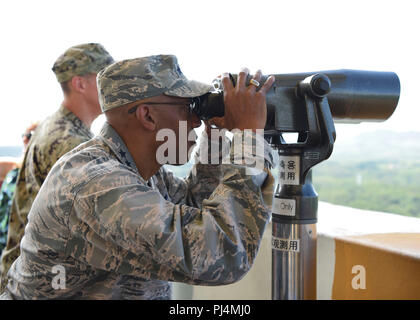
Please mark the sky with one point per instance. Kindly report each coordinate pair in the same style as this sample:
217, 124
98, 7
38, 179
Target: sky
209, 38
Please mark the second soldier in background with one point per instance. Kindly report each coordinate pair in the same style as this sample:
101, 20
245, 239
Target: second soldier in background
68, 127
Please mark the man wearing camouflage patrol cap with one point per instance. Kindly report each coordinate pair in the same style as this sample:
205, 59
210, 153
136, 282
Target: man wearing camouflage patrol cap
68, 127
116, 224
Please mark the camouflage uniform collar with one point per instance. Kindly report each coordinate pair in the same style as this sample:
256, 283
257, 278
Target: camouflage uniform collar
66, 113
118, 147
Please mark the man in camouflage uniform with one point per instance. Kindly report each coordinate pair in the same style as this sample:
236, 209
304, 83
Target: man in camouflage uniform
110, 222
76, 71
8, 189
6, 195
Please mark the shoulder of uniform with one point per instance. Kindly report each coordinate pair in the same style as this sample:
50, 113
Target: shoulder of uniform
92, 159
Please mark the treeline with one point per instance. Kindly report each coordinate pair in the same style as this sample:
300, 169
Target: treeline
382, 185
375, 185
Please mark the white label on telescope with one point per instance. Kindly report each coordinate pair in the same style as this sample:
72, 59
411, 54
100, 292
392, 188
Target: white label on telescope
288, 245
289, 170
284, 207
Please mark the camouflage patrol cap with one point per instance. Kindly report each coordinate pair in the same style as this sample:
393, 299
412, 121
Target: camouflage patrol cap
80, 60
136, 79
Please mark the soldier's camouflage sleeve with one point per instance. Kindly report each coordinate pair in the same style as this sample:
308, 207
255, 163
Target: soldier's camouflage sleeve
154, 238
204, 178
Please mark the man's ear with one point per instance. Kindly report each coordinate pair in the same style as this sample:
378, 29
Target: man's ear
146, 117
78, 84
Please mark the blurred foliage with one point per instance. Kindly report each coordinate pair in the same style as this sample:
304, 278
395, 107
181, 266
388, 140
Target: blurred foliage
381, 186
375, 171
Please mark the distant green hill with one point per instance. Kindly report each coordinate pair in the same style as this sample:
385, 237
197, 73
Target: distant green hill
375, 171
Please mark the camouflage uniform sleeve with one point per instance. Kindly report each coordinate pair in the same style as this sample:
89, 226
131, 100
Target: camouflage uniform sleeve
132, 229
206, 174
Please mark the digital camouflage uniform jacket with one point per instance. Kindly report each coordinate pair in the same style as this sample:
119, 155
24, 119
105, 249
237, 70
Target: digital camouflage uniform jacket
117, 236
6, 196
55, 136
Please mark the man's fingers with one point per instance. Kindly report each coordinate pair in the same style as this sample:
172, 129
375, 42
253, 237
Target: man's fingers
227, 83
267, 85
257, 77
242, 78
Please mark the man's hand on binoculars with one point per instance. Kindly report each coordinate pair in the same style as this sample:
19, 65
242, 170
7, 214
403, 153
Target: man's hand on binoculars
245, 107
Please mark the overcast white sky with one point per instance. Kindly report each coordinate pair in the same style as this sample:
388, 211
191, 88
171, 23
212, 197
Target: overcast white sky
208, 37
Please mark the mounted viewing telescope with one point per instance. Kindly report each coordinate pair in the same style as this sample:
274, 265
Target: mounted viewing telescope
354, 96
307, 104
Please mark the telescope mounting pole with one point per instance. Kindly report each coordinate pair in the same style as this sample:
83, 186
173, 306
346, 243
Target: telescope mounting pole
295, 204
